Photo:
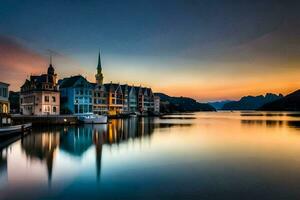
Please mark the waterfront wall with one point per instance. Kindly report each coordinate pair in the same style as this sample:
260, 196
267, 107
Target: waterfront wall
45, 119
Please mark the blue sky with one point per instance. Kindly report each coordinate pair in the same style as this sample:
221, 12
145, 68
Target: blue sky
169, 45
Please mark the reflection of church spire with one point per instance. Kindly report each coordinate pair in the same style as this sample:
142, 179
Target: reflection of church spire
49, 161
98, 141
98, 160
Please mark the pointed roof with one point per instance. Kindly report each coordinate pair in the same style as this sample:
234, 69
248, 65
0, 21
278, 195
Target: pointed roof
99, 61
50, 68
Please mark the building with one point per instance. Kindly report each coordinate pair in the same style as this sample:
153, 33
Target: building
125, 101
4, 102
115, 98
76, 95
100, 105
39, 95
156, 104
132, 100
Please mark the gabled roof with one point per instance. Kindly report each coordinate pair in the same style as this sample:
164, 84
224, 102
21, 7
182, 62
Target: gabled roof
2, 83
124, 87
69, 82
112, 87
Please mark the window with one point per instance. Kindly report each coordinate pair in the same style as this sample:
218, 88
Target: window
76, 108
4, 92
80, 108
46, 98
54, 109
47, 108
53, 99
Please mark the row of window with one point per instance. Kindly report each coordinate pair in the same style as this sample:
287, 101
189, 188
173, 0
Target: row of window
83, 108
81, 100
83, 92
46, 98
29, 99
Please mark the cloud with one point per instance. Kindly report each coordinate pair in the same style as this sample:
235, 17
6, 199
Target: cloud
18, 62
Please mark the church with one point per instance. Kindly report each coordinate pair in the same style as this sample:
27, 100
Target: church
39, 95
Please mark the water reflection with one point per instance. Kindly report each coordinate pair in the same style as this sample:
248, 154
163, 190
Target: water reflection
3, 166
44, 142
270, 123
227, 155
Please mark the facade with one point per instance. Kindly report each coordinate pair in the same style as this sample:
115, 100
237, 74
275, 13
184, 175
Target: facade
39, 95
4, 102
132, 100
156, 104
114, 98
76, 95
100, 105
125, 98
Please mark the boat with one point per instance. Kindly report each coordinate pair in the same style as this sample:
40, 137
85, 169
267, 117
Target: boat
93, 119
8, 131
133, 114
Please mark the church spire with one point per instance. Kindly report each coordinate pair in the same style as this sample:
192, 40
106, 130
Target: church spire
99, 62
99, 75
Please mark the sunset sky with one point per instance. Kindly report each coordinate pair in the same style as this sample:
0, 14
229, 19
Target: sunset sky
206, 49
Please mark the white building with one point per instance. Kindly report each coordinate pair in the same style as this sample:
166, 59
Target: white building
39, 95
156, 104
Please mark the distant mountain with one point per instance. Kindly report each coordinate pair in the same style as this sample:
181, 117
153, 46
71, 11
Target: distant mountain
251, 102
181, 104
290, 102
219, 104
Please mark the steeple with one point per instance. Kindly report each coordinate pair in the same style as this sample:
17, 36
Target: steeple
99, 62
99, 75
50, 68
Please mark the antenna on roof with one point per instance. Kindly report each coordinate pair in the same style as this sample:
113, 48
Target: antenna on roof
50, 58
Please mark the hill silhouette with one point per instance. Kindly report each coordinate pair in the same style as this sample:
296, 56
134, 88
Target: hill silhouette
290, 102
251, 102
181, 104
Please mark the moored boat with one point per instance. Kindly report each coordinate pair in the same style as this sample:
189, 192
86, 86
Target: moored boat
8, 131
93, 119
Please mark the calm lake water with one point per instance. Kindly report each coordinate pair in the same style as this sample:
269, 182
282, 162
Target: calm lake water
222, 155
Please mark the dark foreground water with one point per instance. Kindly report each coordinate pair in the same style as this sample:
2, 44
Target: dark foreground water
225, 155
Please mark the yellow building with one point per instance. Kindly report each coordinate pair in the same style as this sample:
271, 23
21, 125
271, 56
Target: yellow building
4, 102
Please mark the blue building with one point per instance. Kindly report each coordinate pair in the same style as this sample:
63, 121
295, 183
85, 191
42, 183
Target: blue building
76, 95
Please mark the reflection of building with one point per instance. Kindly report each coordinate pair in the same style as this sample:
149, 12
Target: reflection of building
3, 167
4, 103
76, 95
76, 140
42, 146
39, 95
